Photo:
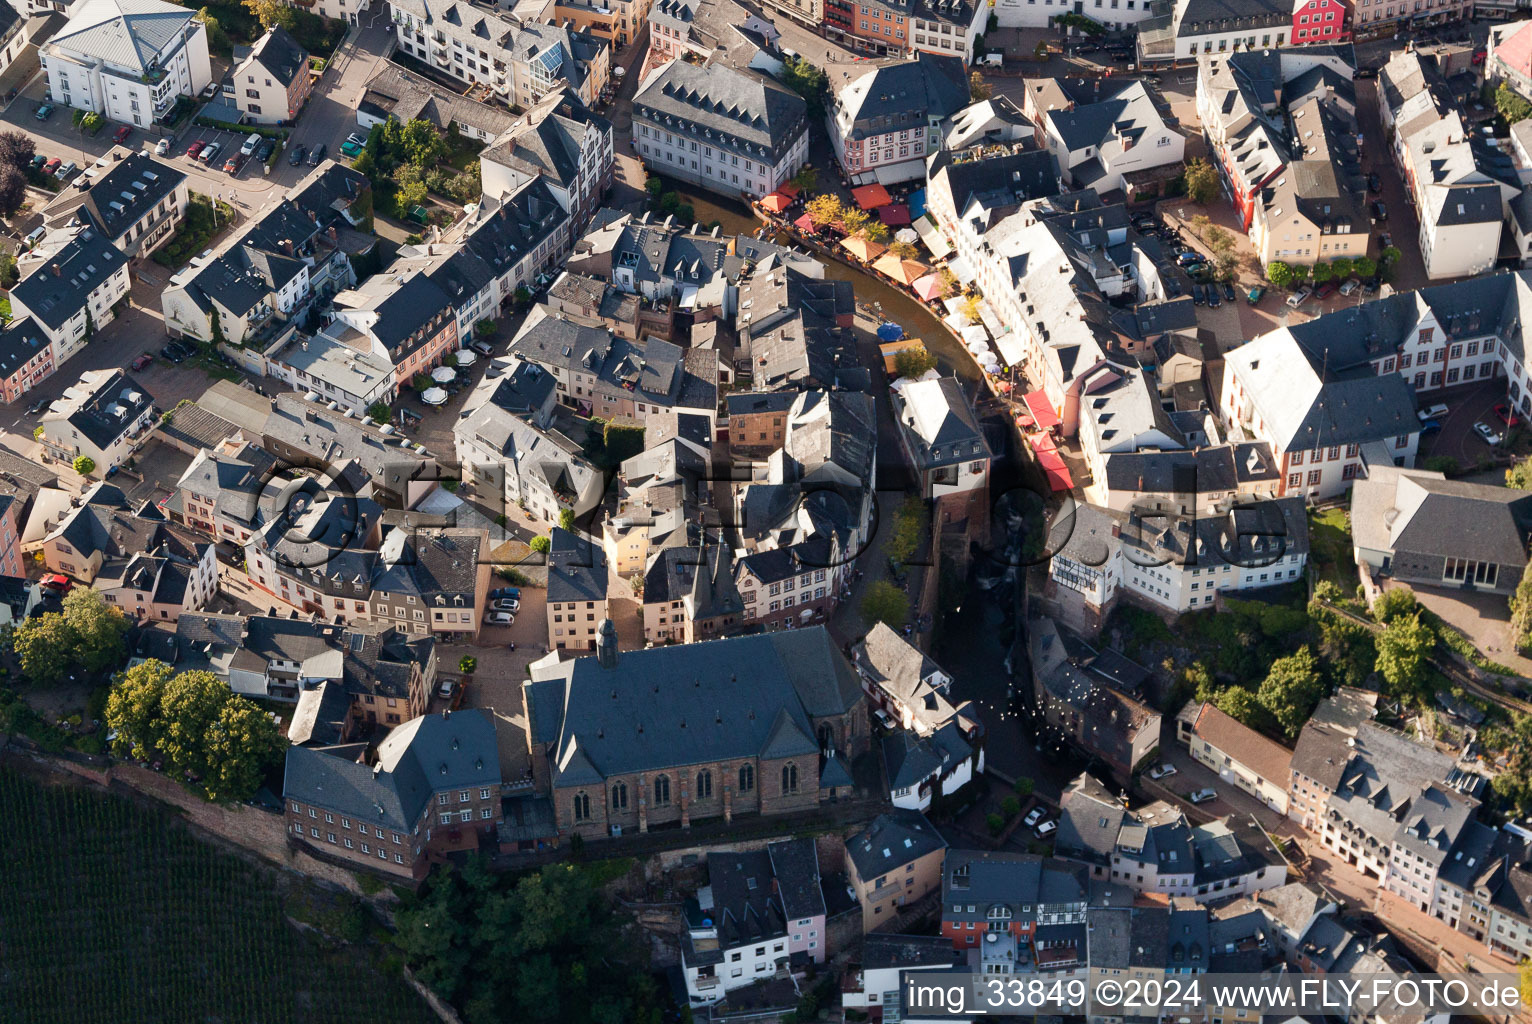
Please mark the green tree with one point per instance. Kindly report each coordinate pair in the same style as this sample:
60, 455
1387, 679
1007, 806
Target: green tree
1291, 689
856, 222
1511, 106
484, 328
825, 210
541, 544
1364, 266
886, 603
466, 664
805, 179
217, 39
190, 708
904, 250
241, 746
913, 362
807, 81
1521, 610
215, 327
1404, 649
1219, 240
380, 412
1321, 272
1519, 475
911, 526
1023, 786
99, 630
1394, 604
1201, 181
1346, 649
1342, 267
1010, 807
970, 309
84, 465
271, 13
1282, 275
133, 708
1390, 256
1239, 703
566, 519
422, 145
978, 89
42, 645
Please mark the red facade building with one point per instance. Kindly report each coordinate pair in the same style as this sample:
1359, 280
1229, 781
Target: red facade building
1320, 21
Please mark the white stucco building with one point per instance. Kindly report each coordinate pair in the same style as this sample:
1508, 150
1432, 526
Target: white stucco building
127, 59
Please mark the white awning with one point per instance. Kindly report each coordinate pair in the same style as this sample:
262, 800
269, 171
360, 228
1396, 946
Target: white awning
960, 268
466, 357
444, 375
433, 396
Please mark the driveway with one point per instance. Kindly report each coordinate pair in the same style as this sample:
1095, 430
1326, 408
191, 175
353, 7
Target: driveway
1468, 405
1483, 618
1191, 776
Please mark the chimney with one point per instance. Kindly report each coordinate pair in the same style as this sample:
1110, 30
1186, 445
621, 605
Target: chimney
606, 645
287, 246
313, 216
58, 271
332, 232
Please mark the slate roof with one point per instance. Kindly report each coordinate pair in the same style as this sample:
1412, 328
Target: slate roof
577, 569
398, 92
423, 756
738, 697
103, 406
795, 866
939, 424
1089, 820
546, 141
880, 950
743, 110
126, 33
20, 342
1129, 113
1420, 513
129, 192
896, 94
890, 841
58, 288
281, 55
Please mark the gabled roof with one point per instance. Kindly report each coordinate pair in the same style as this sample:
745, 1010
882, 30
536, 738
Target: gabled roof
126, 33
281, 55
892, 840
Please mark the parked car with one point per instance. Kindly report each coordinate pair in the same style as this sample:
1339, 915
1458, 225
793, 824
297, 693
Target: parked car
1162, 771
1429, 426
447, 689
499, 619
1478, 56
1202, 796
34, 237
231, 165
171, 354
1505, 414
1046, 829
1299, 297
38, 406
1435, 412
1034, 816
251, 143
317, 154
1488, 434
296, 156
1371, 286
52, 166
195, 149
1255, 294
143, 360
38, 161
67, 171
1374, 182
1196, 269
1379, 211
1351, 285
121, 134
1197, 297
44, 112
1213, 300
1186, 257
57, 581
1228, 291
1325, 290
207, 155
266, 148
500, 592
506, 604
162, 147
482, 347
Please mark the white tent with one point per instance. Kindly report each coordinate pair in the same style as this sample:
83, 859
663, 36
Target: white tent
433, 396
466, 357
444, 375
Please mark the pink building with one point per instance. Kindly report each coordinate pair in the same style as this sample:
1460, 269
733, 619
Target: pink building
1320, 21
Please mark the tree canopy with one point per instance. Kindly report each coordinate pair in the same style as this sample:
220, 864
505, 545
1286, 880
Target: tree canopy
978, 89
271, 13
1404, 650
1291, 689
1281, 274
1201, 181
202, 728
540, 947
913, 362
87, 634
807, 81
885, 603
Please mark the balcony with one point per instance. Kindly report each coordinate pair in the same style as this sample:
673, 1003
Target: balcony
708, 984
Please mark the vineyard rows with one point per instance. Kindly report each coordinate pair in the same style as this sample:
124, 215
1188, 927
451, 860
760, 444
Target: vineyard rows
113, 913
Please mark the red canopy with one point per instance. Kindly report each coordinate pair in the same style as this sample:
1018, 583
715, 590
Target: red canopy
895, 215
789, 190
776, 202
1042, 411
1059, 478
1051, 459
805, 223
870, 197
1023, 420
1041, 442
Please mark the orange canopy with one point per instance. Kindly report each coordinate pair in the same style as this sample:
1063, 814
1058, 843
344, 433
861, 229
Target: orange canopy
863, 249
870, 197
903, 271
776, 202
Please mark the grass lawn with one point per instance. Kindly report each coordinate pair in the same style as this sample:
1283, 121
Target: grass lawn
199, 229
116, 913
1330, 548
5, 308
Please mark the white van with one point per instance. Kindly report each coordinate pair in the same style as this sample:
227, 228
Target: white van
250, 144
1434, 412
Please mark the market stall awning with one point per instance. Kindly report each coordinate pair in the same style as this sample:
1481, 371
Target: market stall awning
776, 202
890, 332
864, 249
901, 270
894, 215
789, 190
466, 356
1059, 478
444, 375
433, 396
1041, 410
870, 197
960, 268
1041, 442
906, 235
804, 223
936, 242
928, 287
